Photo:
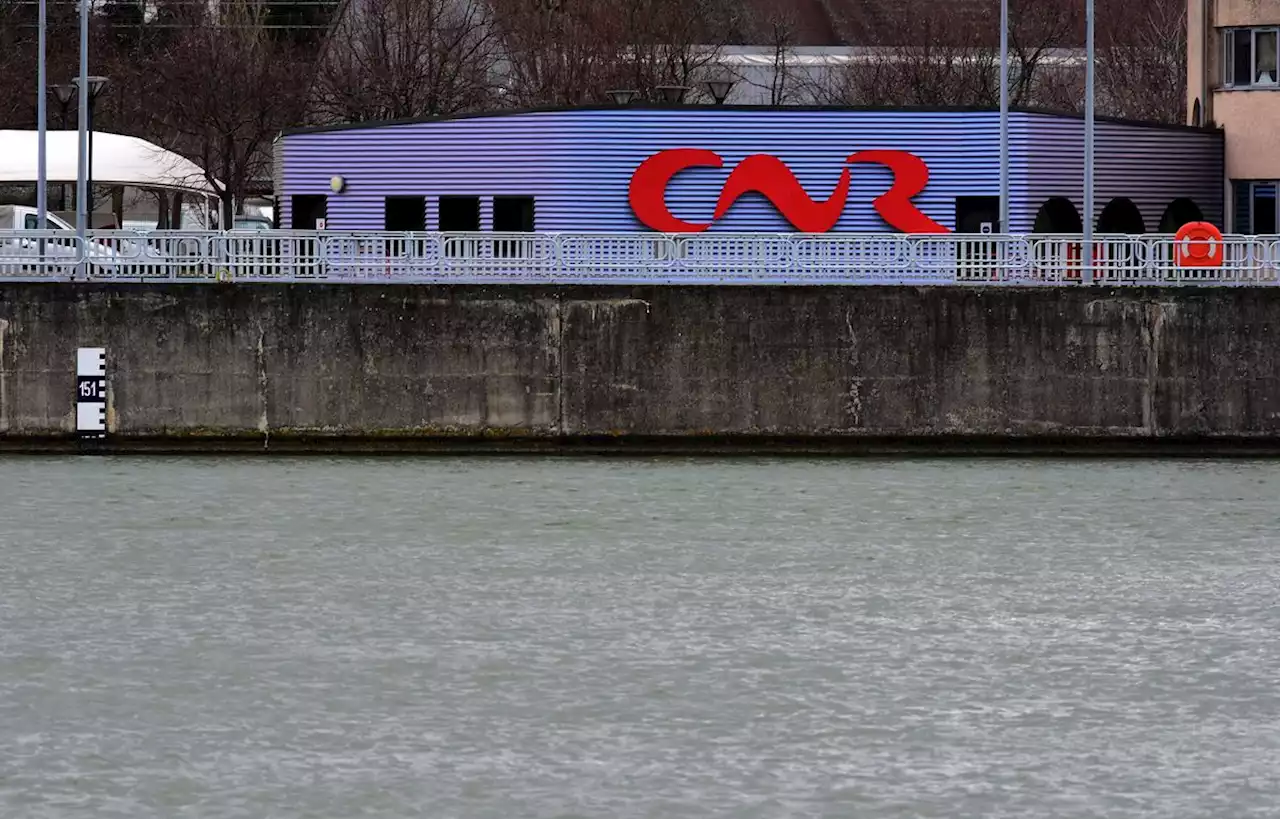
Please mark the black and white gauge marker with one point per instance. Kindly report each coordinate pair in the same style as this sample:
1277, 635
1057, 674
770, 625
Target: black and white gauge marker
91, 392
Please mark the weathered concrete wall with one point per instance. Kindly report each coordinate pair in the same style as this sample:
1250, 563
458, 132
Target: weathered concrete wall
409, 367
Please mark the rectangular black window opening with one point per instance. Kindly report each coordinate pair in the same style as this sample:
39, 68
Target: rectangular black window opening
459, 214
307, 210
978, 214
513, 214
1264, 208
405, 213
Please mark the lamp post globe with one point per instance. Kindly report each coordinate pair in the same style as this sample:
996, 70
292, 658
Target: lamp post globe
719, 89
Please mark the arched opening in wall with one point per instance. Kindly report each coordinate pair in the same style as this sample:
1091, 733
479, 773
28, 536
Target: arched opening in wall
1058, 215
1196, 114
1179, 213
1121, 216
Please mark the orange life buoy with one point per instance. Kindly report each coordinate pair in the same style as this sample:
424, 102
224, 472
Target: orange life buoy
1198, 244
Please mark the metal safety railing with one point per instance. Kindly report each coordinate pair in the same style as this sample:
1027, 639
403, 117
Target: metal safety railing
644, 258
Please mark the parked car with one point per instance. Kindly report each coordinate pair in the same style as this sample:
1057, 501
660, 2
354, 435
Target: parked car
252, 223
57, 244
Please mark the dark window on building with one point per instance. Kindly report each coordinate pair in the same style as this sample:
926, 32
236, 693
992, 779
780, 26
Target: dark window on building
405, 213
513, 214
1264, 208
1121, 215
307, 210
977, 214
1255, 207
1058, 215
1241, 64
1250, 57
459, 214
974, 214
1240, 207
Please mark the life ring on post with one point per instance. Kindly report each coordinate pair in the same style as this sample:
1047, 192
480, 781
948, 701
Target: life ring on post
1198, 244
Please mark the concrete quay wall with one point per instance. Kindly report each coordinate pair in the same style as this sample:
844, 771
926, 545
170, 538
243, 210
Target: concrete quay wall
370, 368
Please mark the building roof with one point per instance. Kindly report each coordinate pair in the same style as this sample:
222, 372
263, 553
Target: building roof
117, 159
862, 22
705, 110
955, 22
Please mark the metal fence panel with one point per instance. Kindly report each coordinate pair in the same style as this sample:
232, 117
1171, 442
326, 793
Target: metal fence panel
39, 255
704, 258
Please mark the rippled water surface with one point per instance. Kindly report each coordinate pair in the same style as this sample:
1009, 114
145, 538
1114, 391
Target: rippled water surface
629, 638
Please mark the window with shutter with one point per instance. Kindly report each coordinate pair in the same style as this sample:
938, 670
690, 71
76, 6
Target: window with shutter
1241, 216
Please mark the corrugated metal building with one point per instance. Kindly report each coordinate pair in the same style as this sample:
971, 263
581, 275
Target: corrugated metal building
571, 169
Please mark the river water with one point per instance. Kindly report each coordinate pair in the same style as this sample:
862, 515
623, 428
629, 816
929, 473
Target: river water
638, 638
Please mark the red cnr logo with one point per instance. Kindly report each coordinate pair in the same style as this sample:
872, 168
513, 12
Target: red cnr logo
771, 178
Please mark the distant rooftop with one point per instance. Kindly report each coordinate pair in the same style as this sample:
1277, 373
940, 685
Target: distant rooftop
827, 23
851, 22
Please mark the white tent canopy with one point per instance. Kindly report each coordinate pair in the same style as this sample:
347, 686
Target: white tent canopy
117, 160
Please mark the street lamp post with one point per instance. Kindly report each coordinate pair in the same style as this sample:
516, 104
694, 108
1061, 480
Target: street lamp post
42, 125
1087, 277
623, 96
96, 86
63, 95
82, 122
672, 94
1004, 116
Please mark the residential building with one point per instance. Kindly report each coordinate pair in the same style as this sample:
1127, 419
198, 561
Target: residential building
1233, 83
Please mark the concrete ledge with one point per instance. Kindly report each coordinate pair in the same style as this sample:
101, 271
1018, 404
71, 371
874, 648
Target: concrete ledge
647, 446
648, 370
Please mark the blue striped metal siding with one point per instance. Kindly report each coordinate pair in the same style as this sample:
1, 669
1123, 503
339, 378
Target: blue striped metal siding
482, 157
578, 163
1150, 165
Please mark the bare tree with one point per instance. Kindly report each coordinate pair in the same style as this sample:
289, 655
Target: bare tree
1142, 60
399, 59
1039, 30
675, 42
935, 55
929, 53
229, 89
17, 57
776, 29
559, 52
569, 52
1060, 88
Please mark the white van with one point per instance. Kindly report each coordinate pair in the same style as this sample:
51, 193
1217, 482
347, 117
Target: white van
19, 255
18, 217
